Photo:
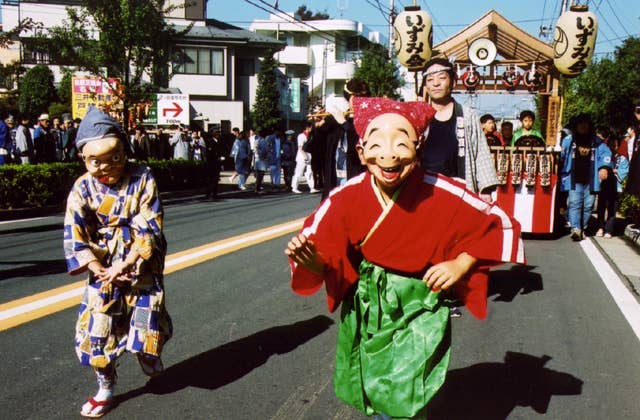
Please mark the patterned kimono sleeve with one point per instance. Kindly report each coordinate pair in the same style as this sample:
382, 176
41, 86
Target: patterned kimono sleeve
147, 221
326, 228
77, 246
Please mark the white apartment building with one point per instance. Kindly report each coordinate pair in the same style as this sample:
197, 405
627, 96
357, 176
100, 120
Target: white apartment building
219, 63
322, 53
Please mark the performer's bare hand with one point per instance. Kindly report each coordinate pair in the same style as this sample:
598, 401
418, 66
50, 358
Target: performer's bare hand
117, 273
304, 252
447, 273
603, 174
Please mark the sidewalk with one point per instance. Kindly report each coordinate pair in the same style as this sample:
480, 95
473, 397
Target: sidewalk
623, 252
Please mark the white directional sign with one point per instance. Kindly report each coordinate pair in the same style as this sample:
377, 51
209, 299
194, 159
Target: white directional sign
173, 108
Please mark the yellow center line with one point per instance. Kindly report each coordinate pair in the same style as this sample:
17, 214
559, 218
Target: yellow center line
39, 305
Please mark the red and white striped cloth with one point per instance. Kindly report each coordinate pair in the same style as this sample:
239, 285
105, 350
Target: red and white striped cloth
533, 206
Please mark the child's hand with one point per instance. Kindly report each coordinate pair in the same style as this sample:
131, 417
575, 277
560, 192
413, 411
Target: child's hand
303, 251
447, 273
116, 273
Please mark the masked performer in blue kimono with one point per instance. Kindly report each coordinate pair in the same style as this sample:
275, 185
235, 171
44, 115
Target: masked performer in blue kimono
394, 245
113, 230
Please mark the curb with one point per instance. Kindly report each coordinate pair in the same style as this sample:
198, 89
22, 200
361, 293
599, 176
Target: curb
632, 236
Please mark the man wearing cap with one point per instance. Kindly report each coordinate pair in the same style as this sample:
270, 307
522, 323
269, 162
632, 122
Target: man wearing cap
43, 141
455, 143
585, 162
113, 231
383, 247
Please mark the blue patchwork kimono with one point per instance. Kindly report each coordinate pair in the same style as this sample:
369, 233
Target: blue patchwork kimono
105, 223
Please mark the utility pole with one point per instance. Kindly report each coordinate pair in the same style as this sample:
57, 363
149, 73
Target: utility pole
324, 73
392, 18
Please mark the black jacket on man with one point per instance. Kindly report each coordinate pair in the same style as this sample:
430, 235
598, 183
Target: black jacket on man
332, 131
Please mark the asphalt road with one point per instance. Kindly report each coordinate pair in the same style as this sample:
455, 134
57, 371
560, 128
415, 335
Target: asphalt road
245, 347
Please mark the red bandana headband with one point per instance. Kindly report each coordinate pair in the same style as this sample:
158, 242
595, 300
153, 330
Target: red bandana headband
419, 114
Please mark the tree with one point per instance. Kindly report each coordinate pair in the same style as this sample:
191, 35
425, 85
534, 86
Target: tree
133, 40
64, 88
265, 112
36, 90
380, 73
305, 14
608, 88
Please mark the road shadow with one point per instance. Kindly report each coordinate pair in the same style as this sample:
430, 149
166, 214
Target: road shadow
33, 268
519, 279
225, 364
490, 391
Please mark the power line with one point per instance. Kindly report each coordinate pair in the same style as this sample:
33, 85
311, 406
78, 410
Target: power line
293, 20
605, 20
616, 16
433, 18
378, 7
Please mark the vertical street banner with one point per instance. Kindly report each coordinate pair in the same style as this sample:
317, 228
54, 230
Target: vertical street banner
295, 94
93, 90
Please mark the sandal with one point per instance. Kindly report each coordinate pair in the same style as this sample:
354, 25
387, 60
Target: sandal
151, 366
95, 409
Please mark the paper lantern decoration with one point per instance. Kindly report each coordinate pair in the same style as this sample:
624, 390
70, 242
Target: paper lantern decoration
532, 78
471, 78
413, 38
511, 78
574, 40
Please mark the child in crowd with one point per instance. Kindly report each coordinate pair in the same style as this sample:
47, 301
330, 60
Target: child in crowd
391, 245
113, 229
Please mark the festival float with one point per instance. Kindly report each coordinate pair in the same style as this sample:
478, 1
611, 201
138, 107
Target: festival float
493, 55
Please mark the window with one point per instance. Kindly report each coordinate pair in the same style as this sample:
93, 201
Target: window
192, 60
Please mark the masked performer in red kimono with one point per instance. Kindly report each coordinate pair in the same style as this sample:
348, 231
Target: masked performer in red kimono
394, 245
113, 230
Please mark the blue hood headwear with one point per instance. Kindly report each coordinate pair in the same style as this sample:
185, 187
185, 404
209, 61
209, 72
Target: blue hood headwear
97, 125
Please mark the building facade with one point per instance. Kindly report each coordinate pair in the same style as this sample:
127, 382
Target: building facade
322, 54
217, 63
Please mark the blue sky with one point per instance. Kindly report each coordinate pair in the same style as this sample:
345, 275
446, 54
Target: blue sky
618, 19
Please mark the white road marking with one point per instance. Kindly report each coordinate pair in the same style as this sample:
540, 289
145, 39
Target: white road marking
49, 300
40, 303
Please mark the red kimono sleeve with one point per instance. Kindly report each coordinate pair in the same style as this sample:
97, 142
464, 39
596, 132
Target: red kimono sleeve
327, 230
487, 233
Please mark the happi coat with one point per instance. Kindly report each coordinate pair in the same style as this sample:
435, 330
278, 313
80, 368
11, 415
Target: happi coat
105, 223
393, 343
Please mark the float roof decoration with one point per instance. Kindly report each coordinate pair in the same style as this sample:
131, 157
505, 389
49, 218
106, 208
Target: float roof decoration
514, 45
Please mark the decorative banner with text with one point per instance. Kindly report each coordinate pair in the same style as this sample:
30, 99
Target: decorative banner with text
92, 90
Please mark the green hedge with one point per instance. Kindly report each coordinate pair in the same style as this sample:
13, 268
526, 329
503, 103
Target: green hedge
23, 186
630, 208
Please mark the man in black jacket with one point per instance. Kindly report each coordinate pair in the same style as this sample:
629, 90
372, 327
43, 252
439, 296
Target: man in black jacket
341, 160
